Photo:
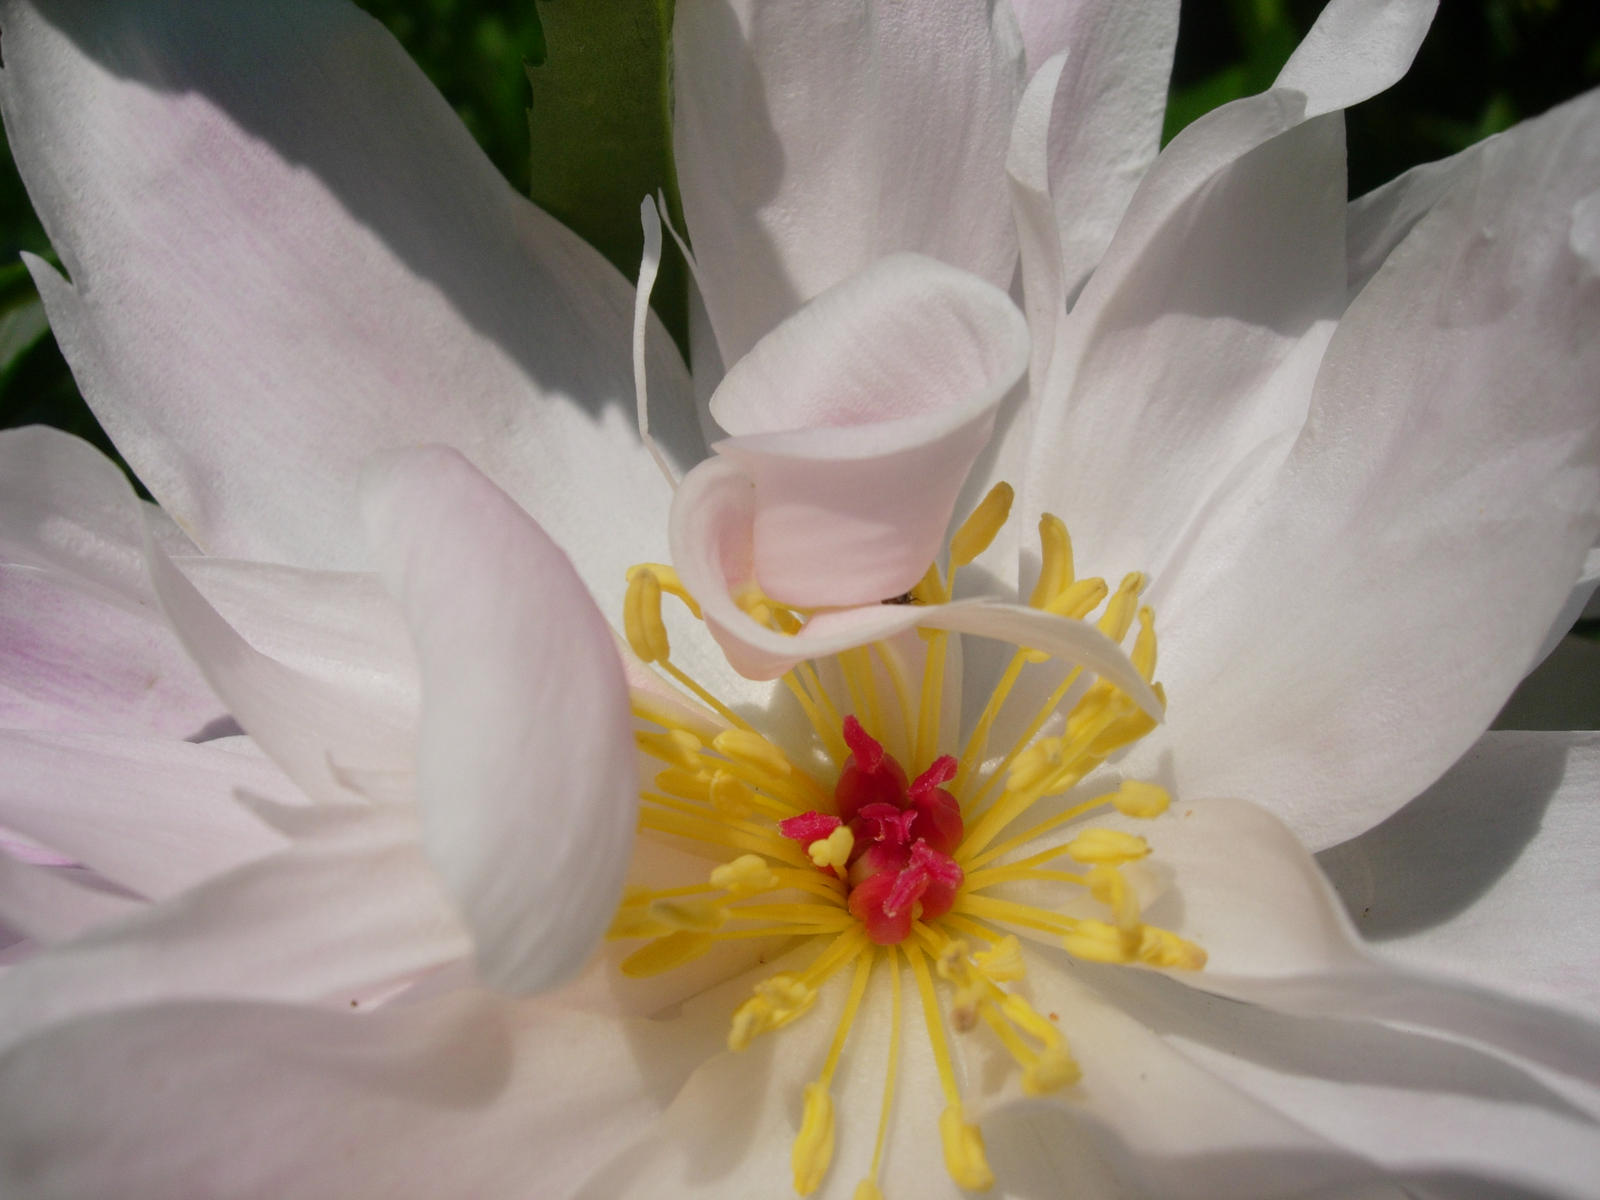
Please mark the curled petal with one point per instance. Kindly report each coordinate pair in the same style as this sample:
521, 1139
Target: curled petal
858, 419
525, 769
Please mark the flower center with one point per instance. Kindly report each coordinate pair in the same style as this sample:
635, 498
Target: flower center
852, 865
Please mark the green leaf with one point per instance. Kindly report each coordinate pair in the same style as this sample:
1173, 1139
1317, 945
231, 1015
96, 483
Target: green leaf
22, 319
600, 132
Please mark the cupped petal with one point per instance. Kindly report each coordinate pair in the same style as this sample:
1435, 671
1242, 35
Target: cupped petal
525, 769
285, 253
153, 816
468, 1095
1351, 631
858, 419
1490, 872
329, 919
815, 136
711, 538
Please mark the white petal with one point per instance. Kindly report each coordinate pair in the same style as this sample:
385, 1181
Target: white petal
1356, 49
471, 1095
1106, 118
1194, 345
154, 816
1490, 873
525, 763
814, 137
286, 253
858, 419
326, 920
1393, 580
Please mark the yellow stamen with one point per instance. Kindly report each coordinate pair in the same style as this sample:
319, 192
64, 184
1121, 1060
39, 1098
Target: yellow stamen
747, 875
1107, 885
813, 1146
641, 617
1055, 569
665, 953
978, 530
964, 1155
667, 581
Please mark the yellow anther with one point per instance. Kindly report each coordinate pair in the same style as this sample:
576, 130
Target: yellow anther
1078, 600
1163, 948
755, 604
1055, 568
1054, 1069
743, 746
731, 797
966, 1006
634, 921
665, 953
868, 1189
1023, 1014
1002, 962
786, 621
964, 1157
695, 916
1144, 645
1107, 885
813, 1146
1110, 846
952, 964
641, 617
777, 1001
691, 785
1034, 765
1118, 616
833, 850
1097, 941
930, 589
978, 530
667, 580
1135, 798
676, 746
747, 875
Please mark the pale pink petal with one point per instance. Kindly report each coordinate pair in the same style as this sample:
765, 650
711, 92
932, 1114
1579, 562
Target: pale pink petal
285, 253
327, 920
470, 1095
1350, 632
74, 660
53, 904
858, 419
525, 754
1490, 873
815, 136
155, 816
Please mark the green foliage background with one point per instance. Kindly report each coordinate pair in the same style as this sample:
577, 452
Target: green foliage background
583, 83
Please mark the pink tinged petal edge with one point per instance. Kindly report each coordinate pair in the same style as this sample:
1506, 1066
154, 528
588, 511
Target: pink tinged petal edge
174, 150
525, 769
331, 918
52, 905
858, 420
812, 137
1403, 566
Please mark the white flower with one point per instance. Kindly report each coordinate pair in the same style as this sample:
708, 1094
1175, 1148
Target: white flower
1355, 451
